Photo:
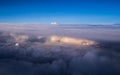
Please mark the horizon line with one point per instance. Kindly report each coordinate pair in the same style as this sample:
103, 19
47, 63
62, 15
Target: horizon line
66, 23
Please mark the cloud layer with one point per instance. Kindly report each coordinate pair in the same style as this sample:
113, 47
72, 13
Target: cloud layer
33, 56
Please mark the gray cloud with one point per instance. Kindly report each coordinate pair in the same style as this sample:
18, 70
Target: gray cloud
34, 57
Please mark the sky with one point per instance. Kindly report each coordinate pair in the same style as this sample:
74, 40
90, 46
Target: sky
60, 11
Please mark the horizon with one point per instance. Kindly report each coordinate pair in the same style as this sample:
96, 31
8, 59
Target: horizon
61, 23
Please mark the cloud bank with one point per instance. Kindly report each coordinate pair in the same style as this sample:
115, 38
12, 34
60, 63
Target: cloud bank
30, 49
40, 55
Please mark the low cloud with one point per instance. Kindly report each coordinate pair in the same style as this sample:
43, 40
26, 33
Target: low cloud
34, 57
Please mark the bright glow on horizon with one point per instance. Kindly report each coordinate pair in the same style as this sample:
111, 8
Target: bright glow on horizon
53, 23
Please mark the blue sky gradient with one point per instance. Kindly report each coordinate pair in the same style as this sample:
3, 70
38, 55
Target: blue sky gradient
61, 11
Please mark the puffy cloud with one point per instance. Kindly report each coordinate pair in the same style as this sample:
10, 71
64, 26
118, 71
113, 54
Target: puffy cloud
71, 41
35, 57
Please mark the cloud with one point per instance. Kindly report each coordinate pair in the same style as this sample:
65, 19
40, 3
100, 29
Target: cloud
34, 57
71, 41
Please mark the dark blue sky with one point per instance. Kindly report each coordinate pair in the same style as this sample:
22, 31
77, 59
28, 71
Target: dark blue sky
61, 11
